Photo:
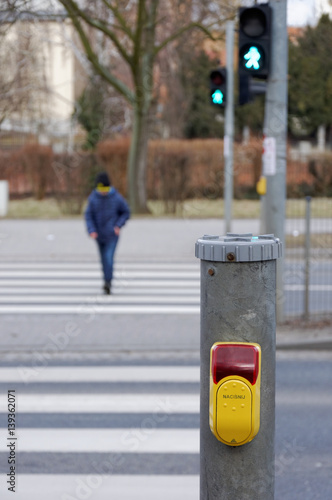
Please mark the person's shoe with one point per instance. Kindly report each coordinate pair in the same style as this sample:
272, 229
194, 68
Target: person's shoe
107, 288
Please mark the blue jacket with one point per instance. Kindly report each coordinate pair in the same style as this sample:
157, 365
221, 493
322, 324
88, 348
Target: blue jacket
105, 212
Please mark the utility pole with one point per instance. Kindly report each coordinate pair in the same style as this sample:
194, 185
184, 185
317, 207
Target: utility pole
275, 133
229, 127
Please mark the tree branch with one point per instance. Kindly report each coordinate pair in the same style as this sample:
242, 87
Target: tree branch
73, 10
124, 26
183, 30
101, 70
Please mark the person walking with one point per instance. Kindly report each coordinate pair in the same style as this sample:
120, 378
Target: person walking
106, 213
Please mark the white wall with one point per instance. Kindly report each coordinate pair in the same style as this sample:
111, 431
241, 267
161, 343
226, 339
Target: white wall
51, 76
59, 68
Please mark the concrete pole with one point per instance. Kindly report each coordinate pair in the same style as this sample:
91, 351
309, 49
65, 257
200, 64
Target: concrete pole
275, 130
4, 198
229, 127
238, 297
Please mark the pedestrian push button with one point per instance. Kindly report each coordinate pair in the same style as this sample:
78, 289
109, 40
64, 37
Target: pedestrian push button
235, 391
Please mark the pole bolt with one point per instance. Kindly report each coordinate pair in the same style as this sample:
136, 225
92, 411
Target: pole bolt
230, 256
211, 271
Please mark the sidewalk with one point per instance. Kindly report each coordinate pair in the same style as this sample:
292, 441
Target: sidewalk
314, 337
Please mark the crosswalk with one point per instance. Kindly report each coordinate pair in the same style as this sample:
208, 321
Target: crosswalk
138, 288
94, 425
101, 431
106, 428
69, 288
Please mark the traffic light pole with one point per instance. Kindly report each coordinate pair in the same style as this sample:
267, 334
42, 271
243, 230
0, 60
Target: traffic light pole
238, 295
229, 127
275, 132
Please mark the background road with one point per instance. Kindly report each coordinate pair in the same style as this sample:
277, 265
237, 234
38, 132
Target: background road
150, 241
142, 238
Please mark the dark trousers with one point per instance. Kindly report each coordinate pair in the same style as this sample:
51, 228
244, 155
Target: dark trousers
107, 251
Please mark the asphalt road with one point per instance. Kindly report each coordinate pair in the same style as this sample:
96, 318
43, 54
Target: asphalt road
320, 287
159, 446
142, 238
153, 241
60, 305
93, 390
303, 427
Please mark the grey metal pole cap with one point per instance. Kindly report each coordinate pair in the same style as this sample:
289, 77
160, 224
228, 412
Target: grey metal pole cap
238, 248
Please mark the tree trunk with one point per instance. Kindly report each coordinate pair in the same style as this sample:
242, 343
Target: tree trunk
137, 163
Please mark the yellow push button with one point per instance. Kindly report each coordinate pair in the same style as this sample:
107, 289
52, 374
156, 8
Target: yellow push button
261, 186
234, 409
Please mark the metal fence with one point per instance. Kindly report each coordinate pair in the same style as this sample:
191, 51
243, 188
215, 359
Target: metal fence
308, 262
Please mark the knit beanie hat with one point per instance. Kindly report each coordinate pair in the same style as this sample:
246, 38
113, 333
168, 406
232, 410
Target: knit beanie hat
103, 180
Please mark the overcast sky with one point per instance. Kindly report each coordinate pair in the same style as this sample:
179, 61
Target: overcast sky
300, 12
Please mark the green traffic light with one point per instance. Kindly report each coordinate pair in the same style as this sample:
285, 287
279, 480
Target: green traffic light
253, 57
217, 97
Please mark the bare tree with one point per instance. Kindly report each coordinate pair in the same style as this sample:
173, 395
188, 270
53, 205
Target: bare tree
122, 39
137, 31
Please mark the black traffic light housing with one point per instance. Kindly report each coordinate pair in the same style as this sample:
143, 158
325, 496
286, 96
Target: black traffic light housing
249, 88
255, 40
218, 82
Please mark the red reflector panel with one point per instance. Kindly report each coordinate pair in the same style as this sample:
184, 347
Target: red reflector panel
232, 359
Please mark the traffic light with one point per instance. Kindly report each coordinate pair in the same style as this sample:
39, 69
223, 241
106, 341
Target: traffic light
249, 88
255, 40
244, 90
218, 87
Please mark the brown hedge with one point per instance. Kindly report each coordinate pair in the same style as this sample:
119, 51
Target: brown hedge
176, 170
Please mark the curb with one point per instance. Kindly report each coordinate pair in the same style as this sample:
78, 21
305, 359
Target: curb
314, 345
